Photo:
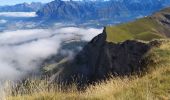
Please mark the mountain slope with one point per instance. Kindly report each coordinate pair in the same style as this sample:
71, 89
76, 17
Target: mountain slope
155, 26
67, 10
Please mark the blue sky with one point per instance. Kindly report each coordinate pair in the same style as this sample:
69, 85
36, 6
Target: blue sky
12, 2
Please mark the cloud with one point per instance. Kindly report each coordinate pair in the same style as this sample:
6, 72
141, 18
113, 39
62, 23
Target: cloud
18, 14
86, 33
22, 51
2, 21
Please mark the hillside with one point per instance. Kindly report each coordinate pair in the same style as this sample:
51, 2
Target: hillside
155, 26
148, 30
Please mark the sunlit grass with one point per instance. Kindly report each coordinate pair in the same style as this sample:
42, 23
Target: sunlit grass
141, 29
155, 85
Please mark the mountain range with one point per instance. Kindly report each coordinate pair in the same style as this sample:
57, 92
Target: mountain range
24, 7
100, 10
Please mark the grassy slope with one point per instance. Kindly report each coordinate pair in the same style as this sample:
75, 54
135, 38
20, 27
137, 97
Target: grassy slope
142, 29
155, 85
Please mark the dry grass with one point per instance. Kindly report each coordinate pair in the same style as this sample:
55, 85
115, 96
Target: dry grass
153, 86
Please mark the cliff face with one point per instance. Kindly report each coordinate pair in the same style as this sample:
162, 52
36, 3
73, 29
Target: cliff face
99, 59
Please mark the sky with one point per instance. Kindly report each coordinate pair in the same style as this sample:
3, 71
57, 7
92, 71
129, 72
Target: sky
12, 2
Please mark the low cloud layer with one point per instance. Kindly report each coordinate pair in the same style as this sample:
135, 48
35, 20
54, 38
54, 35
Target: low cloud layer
2, 21
18, 14
22, 51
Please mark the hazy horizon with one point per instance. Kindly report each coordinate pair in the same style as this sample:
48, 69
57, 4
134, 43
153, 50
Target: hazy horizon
13, 2
9, 2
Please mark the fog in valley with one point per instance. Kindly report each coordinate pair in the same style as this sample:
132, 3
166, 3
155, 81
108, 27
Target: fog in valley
23, 50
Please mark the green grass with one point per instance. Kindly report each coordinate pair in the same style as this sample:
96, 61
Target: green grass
142, 29
52, 68
154, 85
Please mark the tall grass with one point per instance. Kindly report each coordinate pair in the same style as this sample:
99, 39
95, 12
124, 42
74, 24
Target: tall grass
153, 86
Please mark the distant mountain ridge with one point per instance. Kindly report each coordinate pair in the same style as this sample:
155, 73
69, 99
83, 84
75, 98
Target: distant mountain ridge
100, 10
67, 10
24, 7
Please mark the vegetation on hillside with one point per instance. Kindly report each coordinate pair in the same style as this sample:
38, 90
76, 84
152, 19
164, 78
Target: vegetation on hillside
142, 29
153, 85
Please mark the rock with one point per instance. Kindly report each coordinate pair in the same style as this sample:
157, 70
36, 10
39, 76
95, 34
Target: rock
99, 59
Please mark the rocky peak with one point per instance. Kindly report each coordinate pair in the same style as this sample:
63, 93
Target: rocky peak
99, 59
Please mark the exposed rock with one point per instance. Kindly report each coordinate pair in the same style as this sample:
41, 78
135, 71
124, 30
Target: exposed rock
100, 59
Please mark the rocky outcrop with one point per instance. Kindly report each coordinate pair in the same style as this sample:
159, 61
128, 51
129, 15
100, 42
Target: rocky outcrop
99, 59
